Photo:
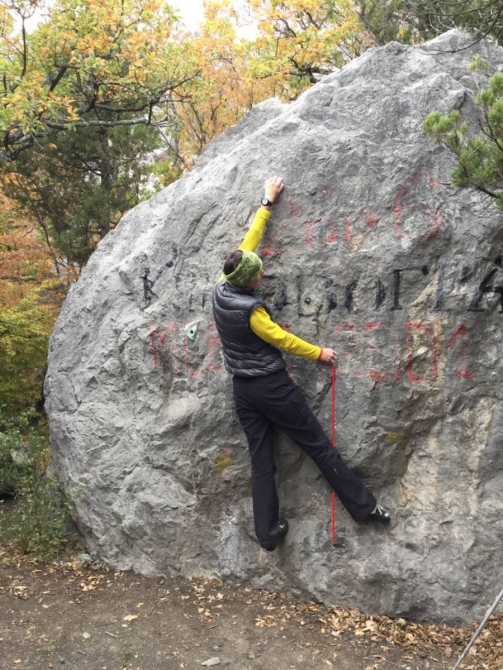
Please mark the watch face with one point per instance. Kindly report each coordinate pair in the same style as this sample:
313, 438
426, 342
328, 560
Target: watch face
265, 202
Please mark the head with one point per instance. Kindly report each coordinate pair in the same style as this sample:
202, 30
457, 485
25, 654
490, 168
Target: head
255, 282
243, 269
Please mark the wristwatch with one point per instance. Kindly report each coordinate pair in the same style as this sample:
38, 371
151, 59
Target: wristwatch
265, 202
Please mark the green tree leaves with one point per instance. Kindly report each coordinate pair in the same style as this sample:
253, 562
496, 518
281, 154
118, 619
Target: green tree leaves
479, 156
24, 336
91, 64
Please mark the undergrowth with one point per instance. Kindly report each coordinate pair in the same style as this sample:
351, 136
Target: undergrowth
36, 521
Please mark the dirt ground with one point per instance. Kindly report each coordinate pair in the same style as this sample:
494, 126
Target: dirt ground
66, 616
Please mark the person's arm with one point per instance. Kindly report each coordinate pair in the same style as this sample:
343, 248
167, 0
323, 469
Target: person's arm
254, 235
272, 189
263, 326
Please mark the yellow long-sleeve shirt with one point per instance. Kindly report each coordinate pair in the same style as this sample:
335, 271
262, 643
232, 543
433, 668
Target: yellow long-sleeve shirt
260, 321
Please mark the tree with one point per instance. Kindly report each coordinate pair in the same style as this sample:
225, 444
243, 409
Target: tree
479, 155
226, 89
389, 20
302, 40
295, 44
30, 298
413, 21
86, 97
90, 64
77, 185
481, 17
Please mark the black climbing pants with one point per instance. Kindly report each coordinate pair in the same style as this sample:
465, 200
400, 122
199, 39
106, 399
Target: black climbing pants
263, 403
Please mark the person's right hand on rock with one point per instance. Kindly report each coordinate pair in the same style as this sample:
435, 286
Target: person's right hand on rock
273, 188
328, 356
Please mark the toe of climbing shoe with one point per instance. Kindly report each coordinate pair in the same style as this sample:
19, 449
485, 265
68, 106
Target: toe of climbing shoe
268, 547
379, 514
278, 533
282, 528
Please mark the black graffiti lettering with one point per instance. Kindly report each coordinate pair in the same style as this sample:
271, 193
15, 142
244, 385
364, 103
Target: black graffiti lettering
331, 298
439, 298
148, 294
349, 299
397, 281
380, 294
168, 264
315, 295
397, 278
300, 287
486, 287
466, 274
318, 295
274, 291
280, 299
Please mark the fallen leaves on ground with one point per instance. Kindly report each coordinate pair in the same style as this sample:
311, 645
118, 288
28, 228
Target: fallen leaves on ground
265, 621
211, 597
488, 648
486, 654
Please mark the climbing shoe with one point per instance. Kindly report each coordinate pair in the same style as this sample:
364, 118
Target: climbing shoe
277, 534
379, 514
281, 529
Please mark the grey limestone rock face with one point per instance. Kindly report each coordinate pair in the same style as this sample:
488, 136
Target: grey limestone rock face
369, 251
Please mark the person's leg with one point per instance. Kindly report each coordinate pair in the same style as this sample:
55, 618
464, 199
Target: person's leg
288, 410
260, 435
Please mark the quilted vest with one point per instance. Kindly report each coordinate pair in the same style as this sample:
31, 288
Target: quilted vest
245, 354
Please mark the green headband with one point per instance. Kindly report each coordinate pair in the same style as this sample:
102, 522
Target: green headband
248, 268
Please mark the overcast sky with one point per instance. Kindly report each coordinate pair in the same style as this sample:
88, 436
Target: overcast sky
191, 11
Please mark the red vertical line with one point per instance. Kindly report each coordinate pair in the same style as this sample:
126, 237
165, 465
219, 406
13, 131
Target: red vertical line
333, 447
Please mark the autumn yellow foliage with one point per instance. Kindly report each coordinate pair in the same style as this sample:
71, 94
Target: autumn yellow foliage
92, 66
30, 298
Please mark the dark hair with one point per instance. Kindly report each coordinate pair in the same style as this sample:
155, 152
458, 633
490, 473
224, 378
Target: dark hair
232, 261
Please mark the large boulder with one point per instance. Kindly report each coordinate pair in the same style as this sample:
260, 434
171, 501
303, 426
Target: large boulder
369, 251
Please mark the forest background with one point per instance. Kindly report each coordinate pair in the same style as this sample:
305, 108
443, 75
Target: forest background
105, 102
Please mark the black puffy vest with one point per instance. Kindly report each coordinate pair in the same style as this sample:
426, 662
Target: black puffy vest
245, 354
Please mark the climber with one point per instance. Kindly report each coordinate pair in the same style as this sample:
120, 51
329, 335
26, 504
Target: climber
265, 396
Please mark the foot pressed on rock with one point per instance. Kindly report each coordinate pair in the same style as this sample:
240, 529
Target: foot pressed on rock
277, 534
379, 514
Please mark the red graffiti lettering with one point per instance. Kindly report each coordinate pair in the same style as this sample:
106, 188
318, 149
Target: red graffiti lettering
331, 232
411, 326
214, 342
436, 218
371, 219
373, 374
351, 353
309, 231
191, 371
161, 339
296, 212
461, 333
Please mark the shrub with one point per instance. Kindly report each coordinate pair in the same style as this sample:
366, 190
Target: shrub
36, 522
